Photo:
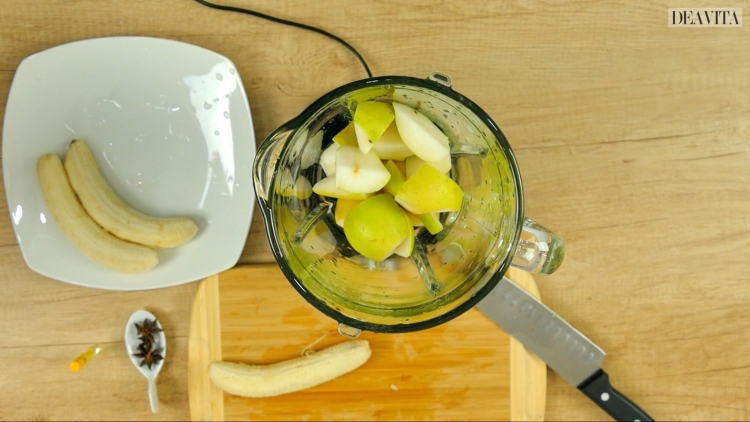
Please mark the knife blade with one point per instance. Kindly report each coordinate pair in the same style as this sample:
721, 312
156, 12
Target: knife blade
568, 352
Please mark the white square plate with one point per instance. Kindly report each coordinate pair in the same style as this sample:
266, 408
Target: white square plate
170, 127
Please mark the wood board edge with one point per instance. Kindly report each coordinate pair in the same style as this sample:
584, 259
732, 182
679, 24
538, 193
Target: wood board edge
206, 400
528, 373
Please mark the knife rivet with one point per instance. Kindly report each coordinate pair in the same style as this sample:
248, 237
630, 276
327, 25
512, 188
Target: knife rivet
605, 396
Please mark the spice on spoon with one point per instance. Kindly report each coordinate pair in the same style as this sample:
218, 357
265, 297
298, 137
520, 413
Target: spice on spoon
146, 350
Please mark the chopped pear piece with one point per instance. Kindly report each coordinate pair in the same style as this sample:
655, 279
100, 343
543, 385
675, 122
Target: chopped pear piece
431, 222
374, 117
415, 221
428, 191
328, 159
376, 227
406, 247
413, 163
359, 173
418, 132
390, 146
343, 207
346, 136
327, 187
363, 141
397, 178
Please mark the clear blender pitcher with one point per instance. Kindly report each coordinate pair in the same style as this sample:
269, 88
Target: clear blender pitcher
447, 273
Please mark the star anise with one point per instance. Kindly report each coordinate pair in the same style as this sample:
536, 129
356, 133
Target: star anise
151, 357
148, 329
145, 334
146, 344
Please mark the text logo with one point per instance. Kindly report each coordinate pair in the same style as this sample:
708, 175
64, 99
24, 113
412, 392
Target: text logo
706, 17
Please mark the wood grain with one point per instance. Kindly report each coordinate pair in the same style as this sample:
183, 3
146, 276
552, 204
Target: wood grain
528, 373
633, 141
206, 400
458, 371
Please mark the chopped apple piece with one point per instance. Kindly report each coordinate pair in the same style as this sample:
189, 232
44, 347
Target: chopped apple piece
376, 227
327, 187
418, 132
359, 173
428, 190
346, 136
390, 146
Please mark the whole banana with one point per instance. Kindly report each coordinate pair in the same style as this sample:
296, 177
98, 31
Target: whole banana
100, 246
290, 375
112, 213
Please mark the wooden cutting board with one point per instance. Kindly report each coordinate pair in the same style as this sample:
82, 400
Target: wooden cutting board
466, 369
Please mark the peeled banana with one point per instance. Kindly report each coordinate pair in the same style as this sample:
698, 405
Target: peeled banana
100, 246
112, 213
290, 375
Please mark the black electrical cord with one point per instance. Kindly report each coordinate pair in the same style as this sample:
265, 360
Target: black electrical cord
290, 23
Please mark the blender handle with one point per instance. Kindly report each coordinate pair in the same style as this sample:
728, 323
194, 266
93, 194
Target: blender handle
264, 166
539, 250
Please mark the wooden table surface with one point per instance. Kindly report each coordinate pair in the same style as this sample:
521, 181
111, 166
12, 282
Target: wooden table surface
633, 140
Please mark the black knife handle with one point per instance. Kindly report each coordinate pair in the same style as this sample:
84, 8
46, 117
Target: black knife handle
600, 391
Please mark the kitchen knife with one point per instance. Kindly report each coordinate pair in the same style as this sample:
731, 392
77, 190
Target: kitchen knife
568, 352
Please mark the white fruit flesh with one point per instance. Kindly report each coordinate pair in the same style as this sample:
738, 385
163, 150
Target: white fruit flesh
328, 159
363, 141
359, 173
112, 213
81, 229
418, 132
291, 375
390, 146
327, 187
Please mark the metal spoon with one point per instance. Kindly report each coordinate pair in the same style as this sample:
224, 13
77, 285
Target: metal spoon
131, 345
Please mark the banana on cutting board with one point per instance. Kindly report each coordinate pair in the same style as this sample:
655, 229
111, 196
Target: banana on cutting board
112, 213
290, 375
100, 246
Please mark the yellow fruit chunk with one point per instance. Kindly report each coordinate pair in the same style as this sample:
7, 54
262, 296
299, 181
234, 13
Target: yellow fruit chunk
397, 178
420, 134
359, 173
343, 207
431, 222
407, 246
374, 117
429, 191
346, 136
327, 187
376, 227
390, 146
414, 163
328, 159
